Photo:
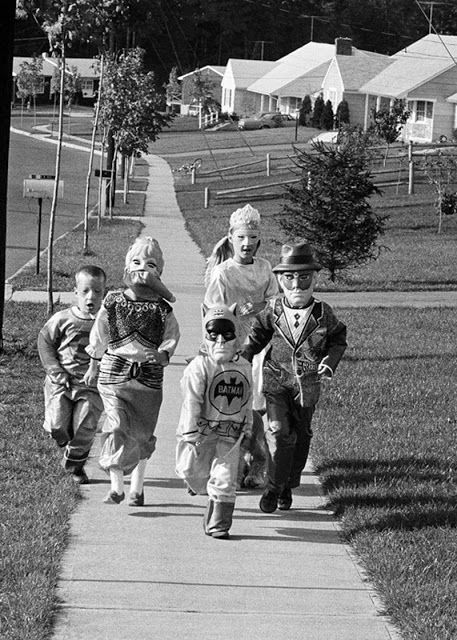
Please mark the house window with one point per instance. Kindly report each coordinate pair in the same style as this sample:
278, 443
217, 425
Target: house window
421, 110
87, 87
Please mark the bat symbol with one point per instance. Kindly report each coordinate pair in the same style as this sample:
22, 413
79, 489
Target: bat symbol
230, 390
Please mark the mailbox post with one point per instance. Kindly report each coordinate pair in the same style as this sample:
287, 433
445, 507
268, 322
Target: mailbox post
40, 187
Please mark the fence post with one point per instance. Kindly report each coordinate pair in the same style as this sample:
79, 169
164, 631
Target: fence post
411, 168
268, 164
206, 197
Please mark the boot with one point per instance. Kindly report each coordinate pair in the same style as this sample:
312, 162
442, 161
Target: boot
218, 518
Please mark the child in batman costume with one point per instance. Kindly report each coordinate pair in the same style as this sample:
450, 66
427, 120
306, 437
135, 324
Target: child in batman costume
216, 416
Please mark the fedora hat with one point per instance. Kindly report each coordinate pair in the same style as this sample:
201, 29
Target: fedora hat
297, 257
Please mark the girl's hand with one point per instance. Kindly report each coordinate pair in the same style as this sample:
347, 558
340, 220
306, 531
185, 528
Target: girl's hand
156, 356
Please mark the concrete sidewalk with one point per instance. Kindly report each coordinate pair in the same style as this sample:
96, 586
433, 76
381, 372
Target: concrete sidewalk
142, 573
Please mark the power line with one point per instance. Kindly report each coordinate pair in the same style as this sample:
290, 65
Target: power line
431, 26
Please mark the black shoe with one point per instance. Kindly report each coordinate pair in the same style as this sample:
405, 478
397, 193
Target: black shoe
269, 501
113, 498
285, 499
136, 499
80, 477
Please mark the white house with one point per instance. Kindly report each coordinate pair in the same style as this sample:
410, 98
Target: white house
239, 74
425, 75
87, 69
298, 73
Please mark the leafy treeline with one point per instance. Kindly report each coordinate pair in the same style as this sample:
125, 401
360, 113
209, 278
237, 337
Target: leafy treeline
192, 33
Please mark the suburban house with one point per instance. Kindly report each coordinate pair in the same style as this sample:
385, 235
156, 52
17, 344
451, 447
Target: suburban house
293, 76
336, 71
238, 76
424, 75
86, 68
212, 74
348, 70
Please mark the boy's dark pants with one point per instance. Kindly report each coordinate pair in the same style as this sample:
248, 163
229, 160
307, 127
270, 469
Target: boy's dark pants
288, 438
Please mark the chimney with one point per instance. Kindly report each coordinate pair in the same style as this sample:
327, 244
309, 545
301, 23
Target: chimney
343, 46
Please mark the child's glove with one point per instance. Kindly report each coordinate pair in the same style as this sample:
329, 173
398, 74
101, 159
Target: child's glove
324, 372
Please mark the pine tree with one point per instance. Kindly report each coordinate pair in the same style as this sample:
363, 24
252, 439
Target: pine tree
327, 117
330, 209
342, 114
317, 111
305, 109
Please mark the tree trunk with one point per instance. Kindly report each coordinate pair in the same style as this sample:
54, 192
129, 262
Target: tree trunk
6, 70
126, 177
91, 160
52, 216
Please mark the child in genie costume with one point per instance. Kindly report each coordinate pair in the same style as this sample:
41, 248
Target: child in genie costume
216, 416
135, 334
305, 344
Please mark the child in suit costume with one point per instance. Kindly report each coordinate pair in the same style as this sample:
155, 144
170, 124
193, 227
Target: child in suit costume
305, 344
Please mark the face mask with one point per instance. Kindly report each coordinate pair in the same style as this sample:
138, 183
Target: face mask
220, 340
298, 287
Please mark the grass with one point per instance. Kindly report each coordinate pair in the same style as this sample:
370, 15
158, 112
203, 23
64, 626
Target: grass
384, 448
37, 499
105, 247
413, 256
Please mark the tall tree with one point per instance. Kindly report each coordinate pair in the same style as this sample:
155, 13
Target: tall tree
130, 105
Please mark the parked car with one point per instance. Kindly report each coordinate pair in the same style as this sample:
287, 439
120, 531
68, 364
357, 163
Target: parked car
269, 120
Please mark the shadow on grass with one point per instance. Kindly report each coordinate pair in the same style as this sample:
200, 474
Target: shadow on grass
402, 494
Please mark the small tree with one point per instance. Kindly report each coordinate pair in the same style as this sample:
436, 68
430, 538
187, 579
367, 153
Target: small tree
317, 111
130, 105
29, 81
330, 209
388, 123
342, 114
202, 91
173, 89
327, 117
441, 172
305, 109
71, 87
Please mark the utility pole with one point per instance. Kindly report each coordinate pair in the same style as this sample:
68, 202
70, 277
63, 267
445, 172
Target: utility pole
431, 4
6, 75
262, 44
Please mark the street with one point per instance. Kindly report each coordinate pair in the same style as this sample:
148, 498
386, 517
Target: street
27, 156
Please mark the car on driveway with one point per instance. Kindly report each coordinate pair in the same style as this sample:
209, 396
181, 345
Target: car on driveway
269, 120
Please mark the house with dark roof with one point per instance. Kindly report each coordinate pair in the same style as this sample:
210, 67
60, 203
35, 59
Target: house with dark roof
210, 73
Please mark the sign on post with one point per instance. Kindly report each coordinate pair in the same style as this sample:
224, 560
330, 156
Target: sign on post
40, 186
